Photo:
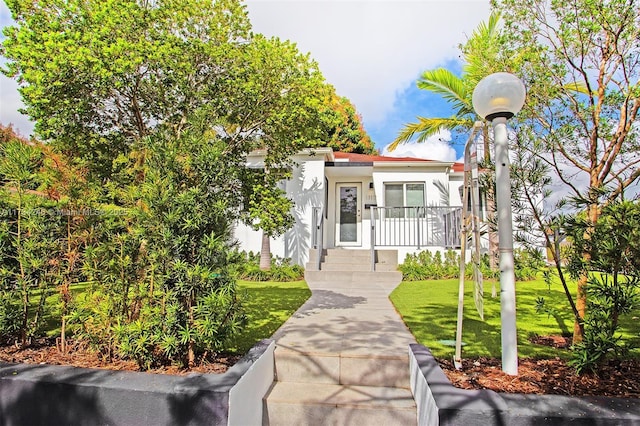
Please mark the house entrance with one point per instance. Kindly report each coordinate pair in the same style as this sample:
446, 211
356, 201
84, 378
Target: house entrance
348, 214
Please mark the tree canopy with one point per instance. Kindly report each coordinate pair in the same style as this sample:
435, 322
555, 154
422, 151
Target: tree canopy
344, 127
579, 61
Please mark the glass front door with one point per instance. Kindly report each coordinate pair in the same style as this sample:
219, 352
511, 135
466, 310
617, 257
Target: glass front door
348, 214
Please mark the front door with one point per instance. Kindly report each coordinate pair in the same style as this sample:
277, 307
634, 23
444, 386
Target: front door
348, 214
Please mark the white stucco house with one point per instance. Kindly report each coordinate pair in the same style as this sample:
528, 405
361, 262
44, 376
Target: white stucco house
365, 202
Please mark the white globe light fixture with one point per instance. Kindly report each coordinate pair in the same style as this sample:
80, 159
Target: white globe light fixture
497, 98
499, 95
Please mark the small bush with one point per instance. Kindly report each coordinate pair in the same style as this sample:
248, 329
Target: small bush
431, 266
282, 270
487, 271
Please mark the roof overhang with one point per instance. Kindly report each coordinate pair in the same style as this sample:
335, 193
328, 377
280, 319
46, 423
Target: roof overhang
256, 157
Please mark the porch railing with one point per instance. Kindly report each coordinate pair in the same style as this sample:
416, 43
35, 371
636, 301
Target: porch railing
415, 227
317, 224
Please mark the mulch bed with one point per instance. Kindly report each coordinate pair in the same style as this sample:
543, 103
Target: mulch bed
77, 355
535, 376
547, 376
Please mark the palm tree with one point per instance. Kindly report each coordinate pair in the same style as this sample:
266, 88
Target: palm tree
454, 90
457, 90
482, 45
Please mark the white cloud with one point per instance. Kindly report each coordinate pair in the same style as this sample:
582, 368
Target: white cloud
371, 50
9, 106
436, 147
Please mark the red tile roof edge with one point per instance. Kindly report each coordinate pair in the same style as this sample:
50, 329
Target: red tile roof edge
457, 167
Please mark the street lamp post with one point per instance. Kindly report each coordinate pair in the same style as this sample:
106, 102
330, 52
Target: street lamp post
497, 98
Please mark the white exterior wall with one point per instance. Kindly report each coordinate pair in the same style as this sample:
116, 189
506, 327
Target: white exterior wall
306, 189
434, 196
455, 182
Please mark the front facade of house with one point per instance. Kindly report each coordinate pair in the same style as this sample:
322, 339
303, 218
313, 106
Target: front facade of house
357, 201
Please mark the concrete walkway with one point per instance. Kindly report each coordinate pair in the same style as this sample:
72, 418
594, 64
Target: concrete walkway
342, 358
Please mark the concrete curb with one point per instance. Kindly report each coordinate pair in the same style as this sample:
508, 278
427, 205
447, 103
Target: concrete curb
440, 403
49, 394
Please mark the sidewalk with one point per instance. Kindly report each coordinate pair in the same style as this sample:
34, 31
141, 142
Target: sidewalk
342, 358
351, 318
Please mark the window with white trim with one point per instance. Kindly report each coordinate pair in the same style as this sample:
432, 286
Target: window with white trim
404, 194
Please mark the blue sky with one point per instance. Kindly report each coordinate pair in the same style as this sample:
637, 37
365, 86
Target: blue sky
411, 103
372, 51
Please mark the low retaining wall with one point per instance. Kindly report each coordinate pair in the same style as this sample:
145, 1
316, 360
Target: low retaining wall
48, 394
441, 403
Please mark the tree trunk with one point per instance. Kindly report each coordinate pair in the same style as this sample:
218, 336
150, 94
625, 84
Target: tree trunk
191, 353
581, 306
581, 299
265, 253
63, 335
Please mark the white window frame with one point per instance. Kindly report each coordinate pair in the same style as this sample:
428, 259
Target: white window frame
404, 196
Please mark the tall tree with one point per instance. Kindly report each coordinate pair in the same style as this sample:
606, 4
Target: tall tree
96, 76
579, 60
278, 109
99, 76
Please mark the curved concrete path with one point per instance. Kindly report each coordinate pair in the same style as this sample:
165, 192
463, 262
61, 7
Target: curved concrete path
342, 358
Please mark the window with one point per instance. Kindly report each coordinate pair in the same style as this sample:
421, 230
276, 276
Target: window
403, 195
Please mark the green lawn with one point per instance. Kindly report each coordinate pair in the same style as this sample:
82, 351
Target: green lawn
268, 306
429, 309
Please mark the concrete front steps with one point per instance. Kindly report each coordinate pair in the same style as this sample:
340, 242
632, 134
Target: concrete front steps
342, 358
351, 387
326, 404
354, 260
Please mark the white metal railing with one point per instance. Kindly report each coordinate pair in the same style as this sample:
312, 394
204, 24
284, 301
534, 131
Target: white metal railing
317, 224
415, 227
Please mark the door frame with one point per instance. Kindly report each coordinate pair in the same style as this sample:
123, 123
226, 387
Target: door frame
358, 242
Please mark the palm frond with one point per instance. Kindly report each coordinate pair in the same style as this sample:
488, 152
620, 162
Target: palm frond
426, 127
449, 86
481, 51
488, 30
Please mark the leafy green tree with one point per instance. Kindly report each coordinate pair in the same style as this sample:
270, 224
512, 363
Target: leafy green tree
160, 102
96, 76
579, 62
267, 208
50, 212
120, 72
30, 236
279, 110
161, 290
344, 127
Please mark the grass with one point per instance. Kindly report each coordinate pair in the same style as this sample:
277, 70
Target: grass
268, 305
429, 308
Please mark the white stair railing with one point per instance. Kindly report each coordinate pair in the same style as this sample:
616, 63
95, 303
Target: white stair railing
317, 224
414, 227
